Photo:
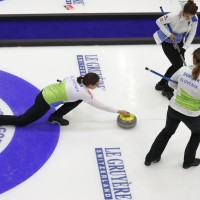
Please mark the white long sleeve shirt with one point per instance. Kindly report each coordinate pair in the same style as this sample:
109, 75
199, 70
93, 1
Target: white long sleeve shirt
179, 25
186, 99
69, 90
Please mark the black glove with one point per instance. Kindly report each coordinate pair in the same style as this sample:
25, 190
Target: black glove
182, 52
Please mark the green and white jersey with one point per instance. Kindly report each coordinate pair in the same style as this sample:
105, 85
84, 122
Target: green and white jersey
186, 99
69, 90
55, 94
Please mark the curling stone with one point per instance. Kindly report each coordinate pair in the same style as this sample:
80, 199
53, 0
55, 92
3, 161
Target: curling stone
127, 122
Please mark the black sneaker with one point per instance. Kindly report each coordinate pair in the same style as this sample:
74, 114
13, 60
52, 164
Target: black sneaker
160, 87
194, 164
148, 163
58, 120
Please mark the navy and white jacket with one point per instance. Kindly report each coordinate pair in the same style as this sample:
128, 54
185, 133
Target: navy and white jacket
183, 29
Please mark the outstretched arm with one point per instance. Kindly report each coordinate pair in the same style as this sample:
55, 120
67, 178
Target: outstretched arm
104, 107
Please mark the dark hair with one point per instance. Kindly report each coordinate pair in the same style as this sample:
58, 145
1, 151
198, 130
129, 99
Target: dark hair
196, 70
88, 79
190, 7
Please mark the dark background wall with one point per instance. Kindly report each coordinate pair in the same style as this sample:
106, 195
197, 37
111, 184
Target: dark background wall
79, 29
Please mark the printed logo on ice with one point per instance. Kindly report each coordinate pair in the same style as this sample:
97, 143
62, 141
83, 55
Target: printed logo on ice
75, 2
23, 150
71, 4
112, 172
90, 63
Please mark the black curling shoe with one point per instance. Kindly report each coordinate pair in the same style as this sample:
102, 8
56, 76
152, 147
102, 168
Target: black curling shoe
58, 120
160, 87
194, 164
168, 93
148, 163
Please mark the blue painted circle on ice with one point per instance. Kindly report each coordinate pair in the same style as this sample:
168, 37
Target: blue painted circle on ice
32, 145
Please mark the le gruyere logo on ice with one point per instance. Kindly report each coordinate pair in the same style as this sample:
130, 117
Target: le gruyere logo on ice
112, 172
90, 63
23, 150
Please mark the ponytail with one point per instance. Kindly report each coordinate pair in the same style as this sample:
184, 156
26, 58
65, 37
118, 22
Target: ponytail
196, 70
80, 79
